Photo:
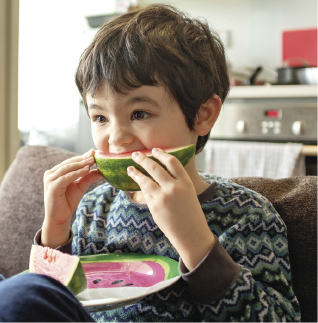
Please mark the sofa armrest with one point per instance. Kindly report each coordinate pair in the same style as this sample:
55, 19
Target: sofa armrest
295, 200
22, 204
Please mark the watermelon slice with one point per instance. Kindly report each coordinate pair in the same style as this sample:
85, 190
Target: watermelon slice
63, 267
127, 270
113, 167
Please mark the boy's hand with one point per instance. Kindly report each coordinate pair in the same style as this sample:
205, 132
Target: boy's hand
64, 186
174, 205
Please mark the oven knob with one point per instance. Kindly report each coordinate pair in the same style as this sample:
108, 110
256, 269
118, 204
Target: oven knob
298, 128
241, 126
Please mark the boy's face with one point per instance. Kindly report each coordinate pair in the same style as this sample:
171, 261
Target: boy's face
144, 118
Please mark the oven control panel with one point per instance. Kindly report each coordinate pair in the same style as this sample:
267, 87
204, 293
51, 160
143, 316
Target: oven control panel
292, 120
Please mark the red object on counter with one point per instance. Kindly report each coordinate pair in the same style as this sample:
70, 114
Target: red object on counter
301, 44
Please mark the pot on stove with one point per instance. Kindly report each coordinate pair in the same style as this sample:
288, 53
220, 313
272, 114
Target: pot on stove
288, 74
307, 75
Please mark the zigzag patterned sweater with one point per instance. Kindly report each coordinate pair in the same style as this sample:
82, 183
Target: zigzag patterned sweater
248, 229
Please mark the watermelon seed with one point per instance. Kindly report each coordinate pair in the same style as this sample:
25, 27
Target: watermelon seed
117, 282
126, 285
96, 281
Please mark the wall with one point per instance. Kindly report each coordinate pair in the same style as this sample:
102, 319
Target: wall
255, 25
269, 19
224, 15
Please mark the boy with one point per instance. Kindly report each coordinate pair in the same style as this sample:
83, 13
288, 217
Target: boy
155, 79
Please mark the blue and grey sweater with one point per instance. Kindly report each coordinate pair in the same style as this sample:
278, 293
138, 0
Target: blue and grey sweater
245, 277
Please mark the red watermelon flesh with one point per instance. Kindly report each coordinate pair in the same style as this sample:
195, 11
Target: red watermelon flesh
63, 267
43, 260
147, 152
122, 274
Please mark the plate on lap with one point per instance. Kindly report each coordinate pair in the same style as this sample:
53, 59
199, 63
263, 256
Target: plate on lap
116, 280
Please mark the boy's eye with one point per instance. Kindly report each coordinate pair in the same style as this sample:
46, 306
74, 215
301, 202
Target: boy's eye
100, 119
140, 115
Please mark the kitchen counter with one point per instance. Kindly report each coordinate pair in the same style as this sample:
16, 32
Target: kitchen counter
272, 91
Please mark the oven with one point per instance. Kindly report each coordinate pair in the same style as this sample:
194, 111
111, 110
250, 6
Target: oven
277, 114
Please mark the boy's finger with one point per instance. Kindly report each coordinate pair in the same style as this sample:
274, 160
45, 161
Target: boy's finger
68, 168
72, 160
87, 180
65, 180
173, 165
146, 184
158, 173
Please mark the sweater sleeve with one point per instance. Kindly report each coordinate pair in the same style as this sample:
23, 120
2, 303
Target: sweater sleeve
70, 247
246, 276
66, 248
217, 269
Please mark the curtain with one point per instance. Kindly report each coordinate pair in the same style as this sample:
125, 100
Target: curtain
9, 45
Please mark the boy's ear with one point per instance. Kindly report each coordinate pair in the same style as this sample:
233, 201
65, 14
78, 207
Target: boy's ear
207, 115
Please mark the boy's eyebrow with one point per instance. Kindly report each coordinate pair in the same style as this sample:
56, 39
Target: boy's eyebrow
143, 99
94, 106
130, 101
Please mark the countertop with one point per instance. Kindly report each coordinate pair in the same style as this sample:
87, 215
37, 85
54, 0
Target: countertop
273, 91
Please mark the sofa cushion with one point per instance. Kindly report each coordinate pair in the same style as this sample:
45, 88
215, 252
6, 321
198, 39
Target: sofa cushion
295, 199
22, 204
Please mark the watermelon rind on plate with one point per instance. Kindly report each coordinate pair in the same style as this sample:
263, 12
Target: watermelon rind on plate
63, 267
113, 167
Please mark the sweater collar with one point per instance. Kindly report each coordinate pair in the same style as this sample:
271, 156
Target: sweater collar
203, 197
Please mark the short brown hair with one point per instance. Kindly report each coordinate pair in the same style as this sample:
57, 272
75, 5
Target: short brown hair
155, 45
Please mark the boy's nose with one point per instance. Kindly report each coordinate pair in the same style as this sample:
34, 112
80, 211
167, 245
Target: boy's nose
119, 136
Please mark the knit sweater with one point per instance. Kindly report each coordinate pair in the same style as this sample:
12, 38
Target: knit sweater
251, 245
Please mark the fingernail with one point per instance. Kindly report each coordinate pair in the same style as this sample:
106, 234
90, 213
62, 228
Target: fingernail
88, 153
135, 155
90, 159
130, 170
155, 150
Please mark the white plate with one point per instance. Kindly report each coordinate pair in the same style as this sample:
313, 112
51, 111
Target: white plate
102, 299
142, 274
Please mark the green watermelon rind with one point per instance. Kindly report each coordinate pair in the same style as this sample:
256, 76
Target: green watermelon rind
78, 282
114, 170
170, 266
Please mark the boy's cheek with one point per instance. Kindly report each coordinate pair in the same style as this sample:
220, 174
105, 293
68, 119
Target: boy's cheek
100, 144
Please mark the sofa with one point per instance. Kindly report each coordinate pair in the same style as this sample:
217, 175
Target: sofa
22, 212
